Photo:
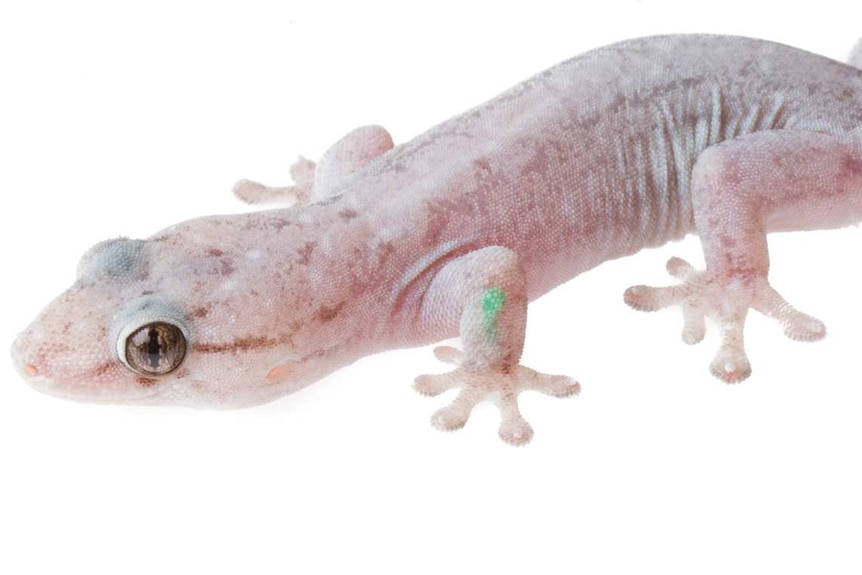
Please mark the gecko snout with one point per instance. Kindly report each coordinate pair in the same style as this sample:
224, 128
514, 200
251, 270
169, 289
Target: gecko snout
25, 365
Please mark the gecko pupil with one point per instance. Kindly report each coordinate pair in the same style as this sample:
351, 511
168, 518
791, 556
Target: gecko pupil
155, 348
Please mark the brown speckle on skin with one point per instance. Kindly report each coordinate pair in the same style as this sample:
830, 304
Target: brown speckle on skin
279, 224
240, 344
146, 381
387, 249
481, 168
227, 267
250, 343
102, 369
200, 312
264, 223
326, 314
305, 252
851, 167
435, 222
727, 242
348, 214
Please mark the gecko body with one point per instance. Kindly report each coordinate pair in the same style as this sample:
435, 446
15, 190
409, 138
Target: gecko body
452, 233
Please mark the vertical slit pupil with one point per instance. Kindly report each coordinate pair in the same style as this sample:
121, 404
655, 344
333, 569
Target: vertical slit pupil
154, 349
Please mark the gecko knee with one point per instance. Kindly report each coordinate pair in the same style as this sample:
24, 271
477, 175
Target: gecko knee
715, 166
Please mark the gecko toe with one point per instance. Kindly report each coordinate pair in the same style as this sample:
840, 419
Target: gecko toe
648, 298
810, 329
638, 297
434, 384
455, 415
515, 431
680, 269
798, 326
445, 420
448, 354
730, 365
556, 385
248, 191
694, 324
801, 327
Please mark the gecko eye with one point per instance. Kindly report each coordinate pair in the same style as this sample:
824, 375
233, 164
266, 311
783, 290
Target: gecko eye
155, 348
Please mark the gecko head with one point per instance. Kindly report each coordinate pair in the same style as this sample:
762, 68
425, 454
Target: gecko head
96, 341
139, 326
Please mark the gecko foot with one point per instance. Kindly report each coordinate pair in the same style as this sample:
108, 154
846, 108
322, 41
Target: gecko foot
476, 386
700, 294
302, 172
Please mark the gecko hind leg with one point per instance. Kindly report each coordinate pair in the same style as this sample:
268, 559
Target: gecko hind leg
741, 189
484, 291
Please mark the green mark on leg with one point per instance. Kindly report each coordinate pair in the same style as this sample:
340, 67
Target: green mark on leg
492, 303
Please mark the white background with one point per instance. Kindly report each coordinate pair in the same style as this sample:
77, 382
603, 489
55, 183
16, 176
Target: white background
120, 120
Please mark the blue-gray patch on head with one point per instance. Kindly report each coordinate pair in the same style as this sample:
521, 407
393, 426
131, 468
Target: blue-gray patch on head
119, 257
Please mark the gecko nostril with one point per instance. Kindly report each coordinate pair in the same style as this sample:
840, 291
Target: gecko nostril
31, 369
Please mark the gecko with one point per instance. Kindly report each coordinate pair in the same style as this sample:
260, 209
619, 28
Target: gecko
452, 233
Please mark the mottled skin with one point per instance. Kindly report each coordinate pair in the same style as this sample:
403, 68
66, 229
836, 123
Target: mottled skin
623, 148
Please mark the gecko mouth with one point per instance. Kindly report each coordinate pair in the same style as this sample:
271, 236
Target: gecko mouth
80, 388
52, 388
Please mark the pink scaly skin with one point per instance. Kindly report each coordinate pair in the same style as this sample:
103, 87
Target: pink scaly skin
625, 147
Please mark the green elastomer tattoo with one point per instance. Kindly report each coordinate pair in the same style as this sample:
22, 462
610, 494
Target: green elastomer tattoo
492, 303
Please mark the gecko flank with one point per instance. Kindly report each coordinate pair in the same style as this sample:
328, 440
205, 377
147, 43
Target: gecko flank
454, 232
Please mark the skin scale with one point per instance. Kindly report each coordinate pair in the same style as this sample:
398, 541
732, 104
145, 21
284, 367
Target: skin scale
452, 233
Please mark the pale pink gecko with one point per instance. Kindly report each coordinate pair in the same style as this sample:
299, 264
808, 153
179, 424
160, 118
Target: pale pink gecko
622, 148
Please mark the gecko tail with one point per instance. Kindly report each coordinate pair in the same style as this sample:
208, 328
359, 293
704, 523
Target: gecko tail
855, 57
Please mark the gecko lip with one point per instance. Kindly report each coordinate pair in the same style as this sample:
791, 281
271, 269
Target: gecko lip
54, 388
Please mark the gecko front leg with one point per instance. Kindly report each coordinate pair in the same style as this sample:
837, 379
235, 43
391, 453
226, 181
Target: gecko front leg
485, 293
315, 182
742, 189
